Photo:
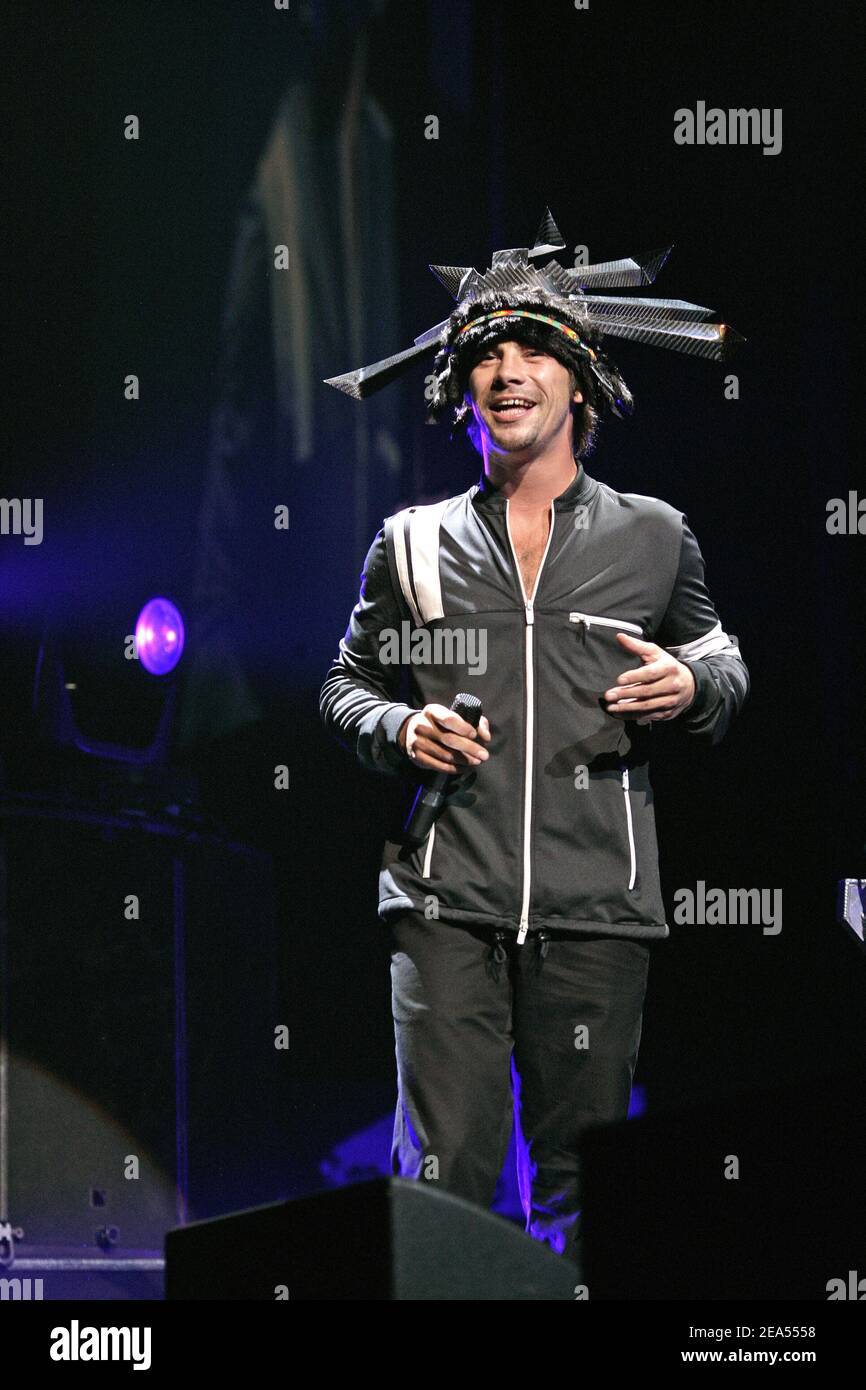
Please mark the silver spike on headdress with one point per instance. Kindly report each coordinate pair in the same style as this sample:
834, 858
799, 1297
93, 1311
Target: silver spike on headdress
517, 285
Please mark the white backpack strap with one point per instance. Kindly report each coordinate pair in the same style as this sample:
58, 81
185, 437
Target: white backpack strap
415, 533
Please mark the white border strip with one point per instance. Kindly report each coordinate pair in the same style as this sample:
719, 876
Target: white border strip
424, 526
713, 643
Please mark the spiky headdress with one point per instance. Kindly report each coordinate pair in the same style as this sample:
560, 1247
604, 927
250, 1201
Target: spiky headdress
548, 305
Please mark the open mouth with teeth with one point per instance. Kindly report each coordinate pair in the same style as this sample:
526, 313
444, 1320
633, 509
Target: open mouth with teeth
512, 408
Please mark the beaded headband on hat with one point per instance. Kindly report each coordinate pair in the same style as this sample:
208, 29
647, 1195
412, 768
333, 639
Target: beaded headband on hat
527, 314
514, 287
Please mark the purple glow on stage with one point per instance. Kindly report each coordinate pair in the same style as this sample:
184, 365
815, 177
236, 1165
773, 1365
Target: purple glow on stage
159, 636
638, 1103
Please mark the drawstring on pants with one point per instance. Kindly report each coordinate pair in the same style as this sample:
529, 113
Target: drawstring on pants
500, 955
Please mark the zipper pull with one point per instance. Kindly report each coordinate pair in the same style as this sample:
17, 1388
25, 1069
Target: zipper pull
581, 619
530, 611
524, 928
625, 778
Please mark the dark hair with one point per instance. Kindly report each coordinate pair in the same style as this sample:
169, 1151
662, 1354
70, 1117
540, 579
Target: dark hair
599, 382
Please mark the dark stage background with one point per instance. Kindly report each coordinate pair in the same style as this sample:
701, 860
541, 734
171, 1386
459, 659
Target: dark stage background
147, 256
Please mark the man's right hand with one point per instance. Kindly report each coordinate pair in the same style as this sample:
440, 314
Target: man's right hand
436, 737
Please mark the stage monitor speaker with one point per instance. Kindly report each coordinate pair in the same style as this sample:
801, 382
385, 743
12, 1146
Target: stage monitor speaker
387, 1239
758, 1197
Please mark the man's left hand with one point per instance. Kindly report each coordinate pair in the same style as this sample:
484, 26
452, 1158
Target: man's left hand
661, 689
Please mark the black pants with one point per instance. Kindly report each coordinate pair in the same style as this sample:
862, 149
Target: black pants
548, 1030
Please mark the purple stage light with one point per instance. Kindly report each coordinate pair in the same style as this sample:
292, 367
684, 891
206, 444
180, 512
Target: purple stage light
159, 636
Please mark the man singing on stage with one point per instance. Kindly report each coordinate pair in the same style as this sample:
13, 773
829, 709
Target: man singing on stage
521, 924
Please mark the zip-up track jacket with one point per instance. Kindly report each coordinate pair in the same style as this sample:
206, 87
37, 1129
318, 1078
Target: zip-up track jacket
557, 828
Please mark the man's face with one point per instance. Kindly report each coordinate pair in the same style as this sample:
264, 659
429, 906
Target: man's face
510, 372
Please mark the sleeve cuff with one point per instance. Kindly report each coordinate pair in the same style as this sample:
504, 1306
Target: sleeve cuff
386, 754
701, 711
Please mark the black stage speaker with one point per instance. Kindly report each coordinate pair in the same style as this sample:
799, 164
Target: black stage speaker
760, 1197
388, 1239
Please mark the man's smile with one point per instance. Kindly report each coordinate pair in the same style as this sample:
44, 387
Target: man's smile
512, 407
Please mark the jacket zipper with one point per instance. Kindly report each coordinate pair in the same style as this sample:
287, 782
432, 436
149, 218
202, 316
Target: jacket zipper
425, 873
529, 611
590, 621
631, 848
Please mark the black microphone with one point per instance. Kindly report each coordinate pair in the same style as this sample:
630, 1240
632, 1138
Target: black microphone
430, 797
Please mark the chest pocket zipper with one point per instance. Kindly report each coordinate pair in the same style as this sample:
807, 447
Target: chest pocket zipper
425, 872
588, 620
631, 846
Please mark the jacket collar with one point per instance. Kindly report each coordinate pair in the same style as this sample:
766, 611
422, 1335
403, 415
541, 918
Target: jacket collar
580, 490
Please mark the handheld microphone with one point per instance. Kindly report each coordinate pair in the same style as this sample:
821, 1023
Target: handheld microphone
430, 797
